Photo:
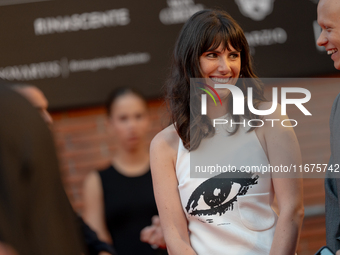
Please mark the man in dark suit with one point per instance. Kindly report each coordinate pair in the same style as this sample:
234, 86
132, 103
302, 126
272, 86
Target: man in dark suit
329, 20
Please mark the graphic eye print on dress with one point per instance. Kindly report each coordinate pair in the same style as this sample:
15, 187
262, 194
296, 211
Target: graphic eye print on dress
218, 194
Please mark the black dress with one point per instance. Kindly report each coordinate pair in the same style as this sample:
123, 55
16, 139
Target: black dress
129, 206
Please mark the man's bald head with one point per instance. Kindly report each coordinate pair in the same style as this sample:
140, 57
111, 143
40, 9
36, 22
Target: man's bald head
329, 20
329, 6
36, 98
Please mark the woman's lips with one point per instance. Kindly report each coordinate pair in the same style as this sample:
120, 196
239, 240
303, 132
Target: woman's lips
220, 80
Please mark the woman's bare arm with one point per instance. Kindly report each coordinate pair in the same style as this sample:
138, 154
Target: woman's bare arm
283, 149
93, 213
163, 154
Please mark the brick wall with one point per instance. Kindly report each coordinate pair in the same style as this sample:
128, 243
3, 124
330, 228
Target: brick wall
84, 145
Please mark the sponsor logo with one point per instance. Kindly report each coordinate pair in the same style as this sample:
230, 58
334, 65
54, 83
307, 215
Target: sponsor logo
178, 11
13, 2
266, 37
33, 71
63, 67
255, 9
84, 21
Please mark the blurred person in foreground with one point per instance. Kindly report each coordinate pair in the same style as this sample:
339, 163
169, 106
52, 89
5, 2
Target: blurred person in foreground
119, 202
39, 101
329, 20
35, 215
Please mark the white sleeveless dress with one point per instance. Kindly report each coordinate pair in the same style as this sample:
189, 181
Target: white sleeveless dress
228, 216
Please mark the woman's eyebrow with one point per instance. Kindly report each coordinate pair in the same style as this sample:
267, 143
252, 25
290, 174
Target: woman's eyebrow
215, 51
234, 51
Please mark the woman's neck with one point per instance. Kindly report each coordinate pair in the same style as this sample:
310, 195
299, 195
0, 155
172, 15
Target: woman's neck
216, 111
131, 162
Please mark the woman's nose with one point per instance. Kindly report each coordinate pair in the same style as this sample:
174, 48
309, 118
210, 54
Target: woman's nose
224, 66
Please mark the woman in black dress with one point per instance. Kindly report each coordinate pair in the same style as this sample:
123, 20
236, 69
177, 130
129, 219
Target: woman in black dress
119, 202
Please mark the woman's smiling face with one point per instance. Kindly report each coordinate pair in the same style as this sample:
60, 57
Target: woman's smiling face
221, 66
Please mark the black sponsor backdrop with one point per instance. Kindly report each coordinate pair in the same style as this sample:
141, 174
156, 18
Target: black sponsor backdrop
145, 33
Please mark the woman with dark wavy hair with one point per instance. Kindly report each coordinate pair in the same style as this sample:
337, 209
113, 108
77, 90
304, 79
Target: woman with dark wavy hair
231, 212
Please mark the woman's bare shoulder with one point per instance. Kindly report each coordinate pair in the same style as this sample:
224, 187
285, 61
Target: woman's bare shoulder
267, 105
167, 139
92, 193
92, 181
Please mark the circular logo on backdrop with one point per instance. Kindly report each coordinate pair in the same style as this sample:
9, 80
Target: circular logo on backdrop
255, 9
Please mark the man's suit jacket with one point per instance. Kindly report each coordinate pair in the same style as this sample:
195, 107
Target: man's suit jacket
332, 181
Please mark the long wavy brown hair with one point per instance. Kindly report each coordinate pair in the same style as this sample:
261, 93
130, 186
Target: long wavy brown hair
205, 31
